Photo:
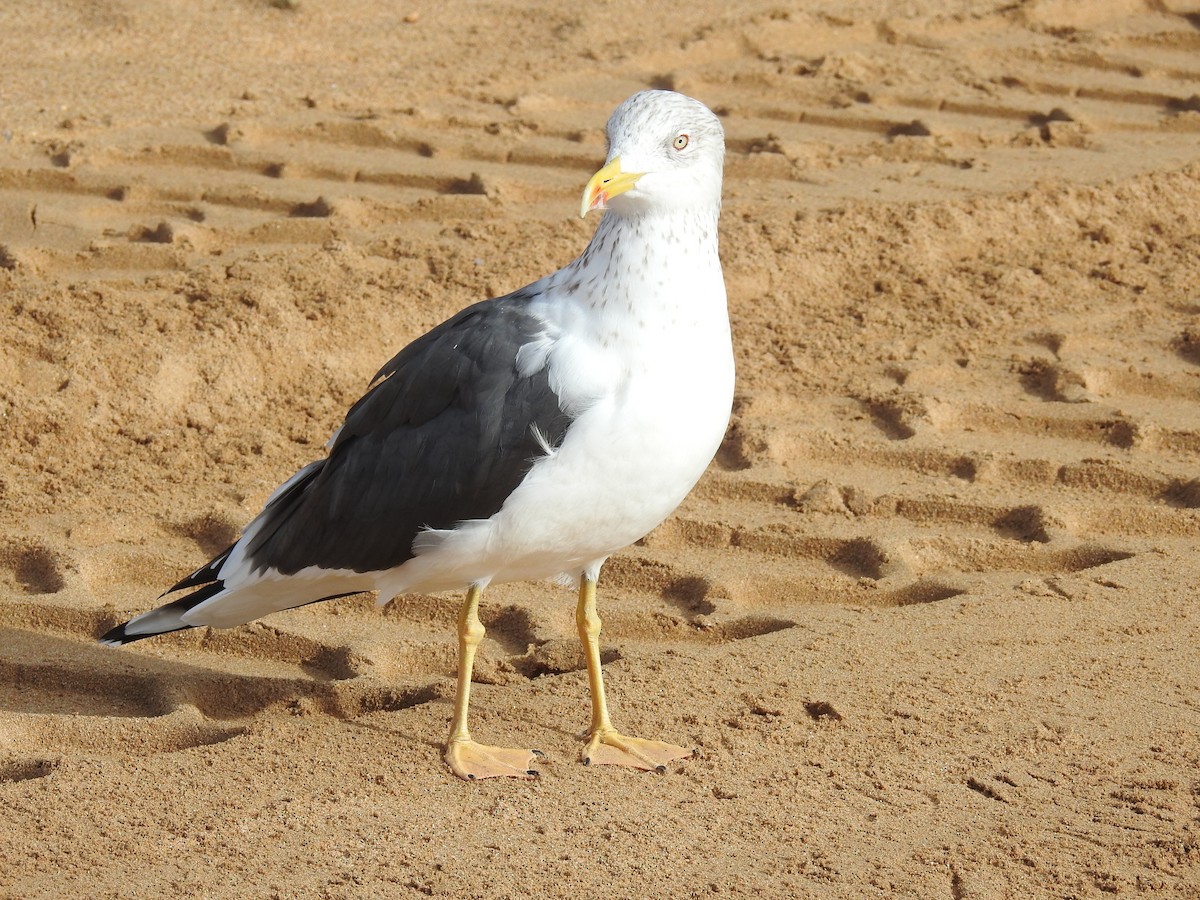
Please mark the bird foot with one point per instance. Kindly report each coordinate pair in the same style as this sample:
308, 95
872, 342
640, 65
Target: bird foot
611, 748
471, 761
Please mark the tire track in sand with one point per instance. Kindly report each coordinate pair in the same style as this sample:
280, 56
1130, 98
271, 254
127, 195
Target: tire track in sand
812, 481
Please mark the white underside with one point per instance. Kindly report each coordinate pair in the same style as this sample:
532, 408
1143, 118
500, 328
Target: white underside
649, 378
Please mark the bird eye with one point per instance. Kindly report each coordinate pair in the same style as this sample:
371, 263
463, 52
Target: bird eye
680, 142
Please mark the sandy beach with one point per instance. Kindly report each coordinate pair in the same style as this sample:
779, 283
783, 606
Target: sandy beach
930, 619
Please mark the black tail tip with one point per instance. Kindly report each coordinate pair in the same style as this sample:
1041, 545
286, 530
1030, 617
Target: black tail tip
116, 637
120, 636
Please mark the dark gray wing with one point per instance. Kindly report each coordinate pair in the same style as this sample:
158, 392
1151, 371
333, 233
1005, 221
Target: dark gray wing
446, 433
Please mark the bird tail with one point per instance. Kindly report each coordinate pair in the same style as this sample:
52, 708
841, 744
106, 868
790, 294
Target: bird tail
160, 621
170, 616
247, 595
207, 578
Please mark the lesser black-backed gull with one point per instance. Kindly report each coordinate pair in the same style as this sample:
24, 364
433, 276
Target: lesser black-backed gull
528, 437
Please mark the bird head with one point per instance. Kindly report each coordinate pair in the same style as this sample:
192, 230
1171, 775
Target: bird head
665, 152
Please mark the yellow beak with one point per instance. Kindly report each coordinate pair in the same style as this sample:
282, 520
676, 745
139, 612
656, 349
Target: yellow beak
605, 185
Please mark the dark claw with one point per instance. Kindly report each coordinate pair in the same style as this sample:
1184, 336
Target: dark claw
587, 760
470, 776
533, 773
538, 753
660, 770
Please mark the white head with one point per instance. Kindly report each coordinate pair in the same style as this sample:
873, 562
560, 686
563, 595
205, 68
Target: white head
665, 152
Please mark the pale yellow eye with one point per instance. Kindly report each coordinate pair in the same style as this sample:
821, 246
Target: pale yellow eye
680, 142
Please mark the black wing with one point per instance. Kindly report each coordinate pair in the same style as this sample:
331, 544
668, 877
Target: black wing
445, 434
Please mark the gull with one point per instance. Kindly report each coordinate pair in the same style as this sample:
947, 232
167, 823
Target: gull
528, 437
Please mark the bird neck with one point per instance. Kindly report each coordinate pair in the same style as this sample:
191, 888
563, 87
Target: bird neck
668, 252
646, 276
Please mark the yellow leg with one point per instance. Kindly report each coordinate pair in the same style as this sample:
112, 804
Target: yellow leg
607, 746
466, 758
